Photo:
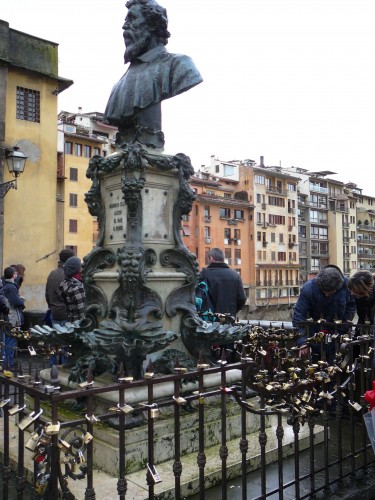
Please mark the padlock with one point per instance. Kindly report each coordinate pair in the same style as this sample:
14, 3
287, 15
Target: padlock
80, 457
4, 402
63, 445
31, 350
125, 408
180, 400
52, 429
87, 437
16, 409
154, 411
91, 418
154, 474
355, 406
27, 421
32, 443
39, 456
86, 384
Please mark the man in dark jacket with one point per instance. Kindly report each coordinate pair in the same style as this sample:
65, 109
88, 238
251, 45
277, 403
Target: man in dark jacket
225, 285
324, 297
55, 303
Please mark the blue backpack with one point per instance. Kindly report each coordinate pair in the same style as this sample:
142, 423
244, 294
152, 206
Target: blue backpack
203, 299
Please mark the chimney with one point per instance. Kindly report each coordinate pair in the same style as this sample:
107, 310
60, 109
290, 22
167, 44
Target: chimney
79, 110
261, 164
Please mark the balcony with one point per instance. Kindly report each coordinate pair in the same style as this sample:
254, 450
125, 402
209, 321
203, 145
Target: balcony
290, 228
291, 244
236, 241
291, 210
207, 240
264, 243
263, 206
277, 190
207, 218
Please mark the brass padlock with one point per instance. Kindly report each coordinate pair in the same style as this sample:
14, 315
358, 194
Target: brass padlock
87, 437
125, 408
4, 402
32, 443
16, 409
52, 429
27, 421
154, 411
63, 445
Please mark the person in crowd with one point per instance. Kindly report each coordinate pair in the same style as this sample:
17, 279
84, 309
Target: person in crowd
225, 285
71, 291
326, 297
21, 269
56, 305
16, 305
4, 310
362, 286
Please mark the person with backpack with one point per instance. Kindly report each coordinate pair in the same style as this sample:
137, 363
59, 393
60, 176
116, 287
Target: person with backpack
224, 286
72, 291
16, 305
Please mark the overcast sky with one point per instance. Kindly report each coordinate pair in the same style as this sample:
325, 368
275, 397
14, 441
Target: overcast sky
291, 80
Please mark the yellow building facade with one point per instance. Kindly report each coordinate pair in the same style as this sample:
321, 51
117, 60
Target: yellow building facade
29, 88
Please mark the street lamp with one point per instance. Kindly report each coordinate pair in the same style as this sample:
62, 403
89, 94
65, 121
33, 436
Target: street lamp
16, 161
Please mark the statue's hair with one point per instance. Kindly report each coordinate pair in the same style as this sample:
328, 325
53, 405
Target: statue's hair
156, 17
217, 254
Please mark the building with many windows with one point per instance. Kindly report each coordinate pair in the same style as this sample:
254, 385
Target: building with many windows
81, 136
29, 89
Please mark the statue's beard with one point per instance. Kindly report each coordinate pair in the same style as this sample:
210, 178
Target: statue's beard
136, 44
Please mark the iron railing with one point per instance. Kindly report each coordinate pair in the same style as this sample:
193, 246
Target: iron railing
296, 391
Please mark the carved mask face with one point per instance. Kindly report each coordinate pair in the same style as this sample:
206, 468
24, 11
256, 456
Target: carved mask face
136, 33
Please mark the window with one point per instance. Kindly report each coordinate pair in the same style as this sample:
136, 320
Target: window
237, 234
238, 214
281, 256
259, 179
273, 256
291, 187
273, 237
281, 237
68, 148
97, 151
73, 226
73, 200
227, 233
87, 151
28, 105
78, 149
73, 174
227, 195
224, 213
228, 170
276, 201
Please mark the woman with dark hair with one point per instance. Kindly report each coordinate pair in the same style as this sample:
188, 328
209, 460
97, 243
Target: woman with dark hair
362, 287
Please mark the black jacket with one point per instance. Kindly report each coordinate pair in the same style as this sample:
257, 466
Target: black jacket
226, 289
366, 308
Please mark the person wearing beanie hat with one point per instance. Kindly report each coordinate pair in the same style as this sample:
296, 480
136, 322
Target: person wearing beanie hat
72, 291
57, 313
72, 267
327, 297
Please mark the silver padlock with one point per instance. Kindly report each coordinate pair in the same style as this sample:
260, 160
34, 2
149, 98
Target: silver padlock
154, 474
27, 421
80, 457
4, 402
91, 418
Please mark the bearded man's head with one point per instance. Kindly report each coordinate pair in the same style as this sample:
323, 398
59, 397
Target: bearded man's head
145, 19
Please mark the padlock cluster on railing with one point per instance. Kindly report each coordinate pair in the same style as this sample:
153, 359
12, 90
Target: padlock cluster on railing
290, 381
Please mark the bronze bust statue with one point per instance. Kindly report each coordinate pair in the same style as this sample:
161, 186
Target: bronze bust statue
154, 74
